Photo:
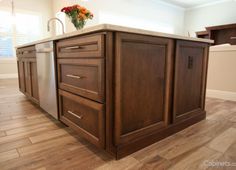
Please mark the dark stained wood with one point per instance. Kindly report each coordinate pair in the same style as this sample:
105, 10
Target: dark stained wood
124, 91
142, 82
190, 73
84, 116
203, 34
83, 77
221, 34
33, 79
85, 46
21, 74
109, 67
27, 72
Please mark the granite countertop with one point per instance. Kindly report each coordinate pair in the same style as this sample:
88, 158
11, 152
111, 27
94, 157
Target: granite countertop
110, 27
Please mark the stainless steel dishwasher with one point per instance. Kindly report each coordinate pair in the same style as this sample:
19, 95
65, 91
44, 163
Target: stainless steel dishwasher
47, 78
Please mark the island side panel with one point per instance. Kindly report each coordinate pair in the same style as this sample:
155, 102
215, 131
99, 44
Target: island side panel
143, 69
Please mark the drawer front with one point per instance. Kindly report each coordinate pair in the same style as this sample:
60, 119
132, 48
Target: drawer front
82, 77
26, 52
84, 116
88, 46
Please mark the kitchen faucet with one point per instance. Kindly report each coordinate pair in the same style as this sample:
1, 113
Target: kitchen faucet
62, 25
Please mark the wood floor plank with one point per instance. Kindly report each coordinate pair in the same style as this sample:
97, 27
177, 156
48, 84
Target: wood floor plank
29, 133
23, 123
222, 142
14, 144
42, 125
2, 133
125, 164
34, 148
49, 135
5, 156
156, 162
196, 160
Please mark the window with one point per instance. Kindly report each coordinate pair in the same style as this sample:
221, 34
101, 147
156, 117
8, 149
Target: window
23, 28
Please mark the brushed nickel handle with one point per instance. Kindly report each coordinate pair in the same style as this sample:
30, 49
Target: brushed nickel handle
79, 117
233, 38
74, 76
72, 47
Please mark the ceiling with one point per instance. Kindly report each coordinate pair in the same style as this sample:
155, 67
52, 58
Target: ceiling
190, 3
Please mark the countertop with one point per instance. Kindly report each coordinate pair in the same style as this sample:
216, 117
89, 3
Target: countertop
223, 48
110, 27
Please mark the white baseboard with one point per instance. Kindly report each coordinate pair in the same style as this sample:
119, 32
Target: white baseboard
225, 95
8, 76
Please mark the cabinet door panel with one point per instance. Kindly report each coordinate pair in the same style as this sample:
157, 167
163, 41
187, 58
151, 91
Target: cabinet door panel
142, 79
21, 75
27, 78
34, 79
190, 75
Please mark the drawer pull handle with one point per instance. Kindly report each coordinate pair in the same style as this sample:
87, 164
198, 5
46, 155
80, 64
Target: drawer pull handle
79, 117
233, 38
73, 47
74, 76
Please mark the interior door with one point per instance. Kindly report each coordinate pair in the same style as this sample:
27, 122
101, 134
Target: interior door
142, 85
190, 79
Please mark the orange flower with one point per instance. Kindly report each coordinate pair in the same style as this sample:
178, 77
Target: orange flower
83, 10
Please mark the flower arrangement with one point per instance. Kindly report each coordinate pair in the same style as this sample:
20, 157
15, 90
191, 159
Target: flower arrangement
78, 15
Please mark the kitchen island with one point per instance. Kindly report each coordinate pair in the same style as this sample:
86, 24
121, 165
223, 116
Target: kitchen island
123, 88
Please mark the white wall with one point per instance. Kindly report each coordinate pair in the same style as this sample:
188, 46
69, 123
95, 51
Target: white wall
152, 15
199, 18
8, 68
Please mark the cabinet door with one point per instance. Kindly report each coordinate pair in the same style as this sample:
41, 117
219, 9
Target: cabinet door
34, 79
142, 85
21, 75
190, 79
27, 78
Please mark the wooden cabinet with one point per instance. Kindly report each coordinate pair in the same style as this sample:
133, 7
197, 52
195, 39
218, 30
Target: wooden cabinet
21, 74
82, 77
27, 72
84, 116
80, 65
190, 79
143, 76
124, 91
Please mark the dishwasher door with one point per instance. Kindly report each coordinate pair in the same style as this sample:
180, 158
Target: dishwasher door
47, 78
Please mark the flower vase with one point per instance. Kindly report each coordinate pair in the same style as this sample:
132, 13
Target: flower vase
79, 24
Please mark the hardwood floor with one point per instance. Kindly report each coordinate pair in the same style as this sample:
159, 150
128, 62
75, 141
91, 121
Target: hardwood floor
31, 139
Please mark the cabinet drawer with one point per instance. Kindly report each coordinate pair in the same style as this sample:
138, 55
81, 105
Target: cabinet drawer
84, 77
84, 116
26, 52
88, 46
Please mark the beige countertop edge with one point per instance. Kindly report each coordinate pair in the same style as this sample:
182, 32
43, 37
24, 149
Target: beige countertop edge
109, 27
223, 49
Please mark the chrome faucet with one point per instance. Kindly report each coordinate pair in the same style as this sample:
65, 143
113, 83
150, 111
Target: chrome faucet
62, 25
